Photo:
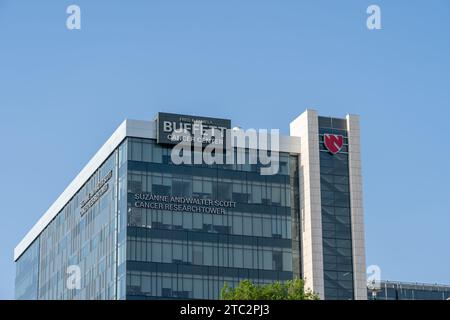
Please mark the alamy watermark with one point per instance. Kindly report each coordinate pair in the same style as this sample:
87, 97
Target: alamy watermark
374, 280
229, 147
73, 21
374, 20
73, 281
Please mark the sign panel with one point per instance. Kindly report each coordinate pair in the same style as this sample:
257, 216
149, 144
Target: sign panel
175, 128
100, 189
333, 142
182, 204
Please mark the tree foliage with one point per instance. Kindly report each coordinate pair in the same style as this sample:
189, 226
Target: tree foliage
289, 290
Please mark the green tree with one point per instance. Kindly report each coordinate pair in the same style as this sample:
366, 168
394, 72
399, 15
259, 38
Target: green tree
289, 290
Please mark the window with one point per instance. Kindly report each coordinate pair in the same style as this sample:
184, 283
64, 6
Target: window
276, 195
277, 261
197, 289
238, 259
135, 183
156, 252
267, 227
208, 255
181, 188
207, 186
267, 260
135, 217
147, 152
222, 191
167, 218
177, 253
135, 284
257, 226
161, 190
198, 223
247, 225
197, 186
138, 251
166, 287
197, 255
237, 224
187, 220
157, 154
256, 193
248, 258
148, 247
136, 151
177, 220
166, 253
146, 285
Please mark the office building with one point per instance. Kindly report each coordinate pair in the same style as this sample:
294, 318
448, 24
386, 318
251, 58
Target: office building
134, 224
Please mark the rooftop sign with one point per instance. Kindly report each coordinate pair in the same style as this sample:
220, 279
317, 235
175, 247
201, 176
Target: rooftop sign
175, 128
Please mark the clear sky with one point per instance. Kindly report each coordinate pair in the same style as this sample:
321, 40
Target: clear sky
260, 63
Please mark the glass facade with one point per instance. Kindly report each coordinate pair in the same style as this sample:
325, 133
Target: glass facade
124, 251
409, 291
27, 270
179, 254
336, 218
79, 243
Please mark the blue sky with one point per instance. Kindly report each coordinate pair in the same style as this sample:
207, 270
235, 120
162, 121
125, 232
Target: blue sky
260, 63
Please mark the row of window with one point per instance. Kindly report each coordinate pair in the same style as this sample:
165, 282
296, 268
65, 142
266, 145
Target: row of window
166, 285
333, 293
335, 198
334, 187
409, 294
222, 189
336, 211
202, 253
333, 123
329, 232
237, 223
342, 223
147, 150
336, 223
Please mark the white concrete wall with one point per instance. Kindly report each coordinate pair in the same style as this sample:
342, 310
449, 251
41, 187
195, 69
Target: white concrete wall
356, 207
306, 127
